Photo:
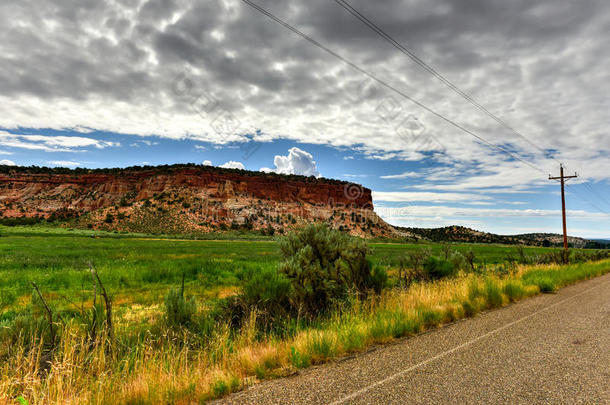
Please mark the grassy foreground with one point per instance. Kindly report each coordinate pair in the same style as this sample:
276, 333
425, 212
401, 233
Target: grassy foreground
140, 269
154, 370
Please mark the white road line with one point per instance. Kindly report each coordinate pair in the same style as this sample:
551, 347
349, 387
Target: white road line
463, 345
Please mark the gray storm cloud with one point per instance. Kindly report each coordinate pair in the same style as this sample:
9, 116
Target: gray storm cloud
112, 65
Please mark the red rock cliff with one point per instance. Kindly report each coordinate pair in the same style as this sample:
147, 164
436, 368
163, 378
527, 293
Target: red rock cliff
184, 198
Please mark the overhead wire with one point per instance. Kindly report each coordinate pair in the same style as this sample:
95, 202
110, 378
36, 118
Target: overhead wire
589, 187
408, 52
352, 10
386, 84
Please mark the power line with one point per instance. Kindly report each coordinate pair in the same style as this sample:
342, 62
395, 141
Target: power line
408, 52
401, 93
586, 200
384, 83
434, 72
352, 10
573, 191
590, 188
588, 185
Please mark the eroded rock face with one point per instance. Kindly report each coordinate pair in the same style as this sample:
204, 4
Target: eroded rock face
187, 198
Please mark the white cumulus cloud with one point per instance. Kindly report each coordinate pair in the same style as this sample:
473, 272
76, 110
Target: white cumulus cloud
207, 163
7, 162
297, 162
232, 164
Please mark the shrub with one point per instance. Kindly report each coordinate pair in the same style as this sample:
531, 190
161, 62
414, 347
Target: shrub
179, 311
502, 270
270, 230
415, 260
324, 266
458, 261
437, 268
268, 292
379, 279
20, 221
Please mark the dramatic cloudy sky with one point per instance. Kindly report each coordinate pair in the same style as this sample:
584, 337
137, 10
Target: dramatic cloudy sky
94, 83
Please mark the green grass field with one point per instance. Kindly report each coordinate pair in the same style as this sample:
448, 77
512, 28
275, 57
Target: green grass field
144, 267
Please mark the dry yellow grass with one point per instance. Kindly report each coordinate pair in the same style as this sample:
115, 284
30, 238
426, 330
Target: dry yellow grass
155, 371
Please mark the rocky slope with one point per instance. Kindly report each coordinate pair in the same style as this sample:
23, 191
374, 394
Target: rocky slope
185, 199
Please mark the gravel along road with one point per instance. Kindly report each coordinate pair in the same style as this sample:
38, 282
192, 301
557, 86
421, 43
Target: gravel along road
550, 349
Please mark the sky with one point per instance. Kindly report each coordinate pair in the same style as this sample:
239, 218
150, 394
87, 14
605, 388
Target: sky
115, 83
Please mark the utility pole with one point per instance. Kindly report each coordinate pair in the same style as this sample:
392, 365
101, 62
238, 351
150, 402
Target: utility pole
563, 202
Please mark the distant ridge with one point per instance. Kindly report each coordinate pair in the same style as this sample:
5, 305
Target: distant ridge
463, 234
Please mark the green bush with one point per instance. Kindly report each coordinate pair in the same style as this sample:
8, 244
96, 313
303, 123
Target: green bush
23, 327
268, 292
179, 311
437, 268
324, 266
379, 279
351, 338
458, 261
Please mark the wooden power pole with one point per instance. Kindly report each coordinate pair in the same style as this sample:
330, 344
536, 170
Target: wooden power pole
563, 202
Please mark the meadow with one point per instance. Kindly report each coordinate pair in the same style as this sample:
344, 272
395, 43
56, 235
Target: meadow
141, 268
151, 359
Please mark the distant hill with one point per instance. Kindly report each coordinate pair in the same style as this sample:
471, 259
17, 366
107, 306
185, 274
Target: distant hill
599, 244
468, 235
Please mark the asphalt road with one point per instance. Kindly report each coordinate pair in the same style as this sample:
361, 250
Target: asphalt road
550, 349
